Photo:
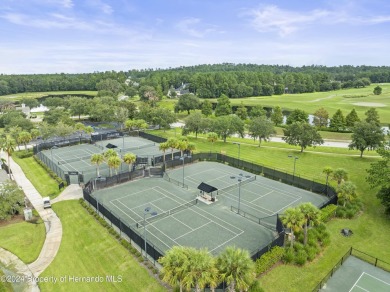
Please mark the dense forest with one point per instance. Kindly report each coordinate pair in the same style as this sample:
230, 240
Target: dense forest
208, 81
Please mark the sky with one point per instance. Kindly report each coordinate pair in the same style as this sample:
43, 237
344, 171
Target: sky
82, 36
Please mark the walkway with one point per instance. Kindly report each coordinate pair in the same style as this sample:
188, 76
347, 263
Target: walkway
52, 222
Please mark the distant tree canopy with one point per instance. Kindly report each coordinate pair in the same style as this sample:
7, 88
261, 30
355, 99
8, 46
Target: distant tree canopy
206, 81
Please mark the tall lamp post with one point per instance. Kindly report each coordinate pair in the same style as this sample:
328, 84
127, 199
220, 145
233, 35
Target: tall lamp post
152, 213
239, 178
295, 161
239, 150
182, 158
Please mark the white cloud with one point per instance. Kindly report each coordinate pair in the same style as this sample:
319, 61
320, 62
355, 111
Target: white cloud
271, 19
194, 27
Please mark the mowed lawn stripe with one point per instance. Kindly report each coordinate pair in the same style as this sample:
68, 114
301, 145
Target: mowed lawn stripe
88, 250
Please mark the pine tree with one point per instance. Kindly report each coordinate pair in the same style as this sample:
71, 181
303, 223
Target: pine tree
337, 122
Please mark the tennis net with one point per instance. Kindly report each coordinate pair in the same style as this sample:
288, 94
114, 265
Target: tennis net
231, 187
74, 159
138, 147
167, 213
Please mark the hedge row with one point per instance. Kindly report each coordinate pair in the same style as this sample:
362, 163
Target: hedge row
328, 213
49, 171
122, 241
270, 258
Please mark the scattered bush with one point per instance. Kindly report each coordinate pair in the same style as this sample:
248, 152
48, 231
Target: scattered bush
288, 256
340, 213
311, 252
298, 246
301, 257
270, 258
255, 287
23, 154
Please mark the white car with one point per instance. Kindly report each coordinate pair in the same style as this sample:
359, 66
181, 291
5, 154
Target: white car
46, 203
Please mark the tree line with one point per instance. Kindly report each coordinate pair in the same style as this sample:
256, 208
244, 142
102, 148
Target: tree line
207, 81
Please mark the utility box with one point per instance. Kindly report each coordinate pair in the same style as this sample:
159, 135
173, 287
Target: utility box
28, 214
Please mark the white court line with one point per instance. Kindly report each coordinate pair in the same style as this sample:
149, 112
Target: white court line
283, 192
182, 222
259, 196
356, 282
255, 207
288, 205
212, 170
151, 233
130, 210
226, 241
361, 288
159, 230
132, 194
149, 202
206, 212
120, 209
184, 234
377, 278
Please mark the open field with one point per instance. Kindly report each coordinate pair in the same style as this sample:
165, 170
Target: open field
45, 185
23, 239
368, 227
88, 250
361, 99
19, 96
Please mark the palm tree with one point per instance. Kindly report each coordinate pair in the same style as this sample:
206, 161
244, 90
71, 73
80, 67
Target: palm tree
340, 175
164, 147
172, 142
88, 130
347, 192
311, 214
327, 171
97, 159
114, 162
191, 147
109, 153
129, 158
8, 146
293, 219
236, 268
24, 137
34, 133
182, 146
212, 137
14, 134
175, 265
201, 271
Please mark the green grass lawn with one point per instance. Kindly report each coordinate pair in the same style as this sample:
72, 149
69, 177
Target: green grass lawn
371, 228
41, 180
87, 249
344, 99
23, 239
19, 96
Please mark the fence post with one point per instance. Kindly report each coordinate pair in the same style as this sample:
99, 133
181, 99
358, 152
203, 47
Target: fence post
376, 261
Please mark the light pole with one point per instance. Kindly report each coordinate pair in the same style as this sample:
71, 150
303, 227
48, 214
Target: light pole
239, 150
239, 178
182, 158
147, 210
295, 161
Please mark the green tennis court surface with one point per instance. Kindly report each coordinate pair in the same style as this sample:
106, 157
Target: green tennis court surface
77, 158
357, 275
182, 221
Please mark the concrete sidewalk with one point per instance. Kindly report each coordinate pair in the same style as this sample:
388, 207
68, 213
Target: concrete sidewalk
52, 222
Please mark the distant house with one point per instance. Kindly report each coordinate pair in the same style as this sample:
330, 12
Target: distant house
182, 89
24, 109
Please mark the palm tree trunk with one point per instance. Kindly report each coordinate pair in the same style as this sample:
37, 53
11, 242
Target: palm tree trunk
305, 234
9, 167
98, 170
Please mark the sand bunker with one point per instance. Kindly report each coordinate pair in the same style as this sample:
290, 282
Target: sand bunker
370, 104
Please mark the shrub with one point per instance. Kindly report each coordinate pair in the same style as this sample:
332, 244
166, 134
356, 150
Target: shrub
325, 242
270, 258
23, 154
351, 213
311, 252
301, 258
328, 212
299, 236
288, 256
255, 287
340, 212
298, 246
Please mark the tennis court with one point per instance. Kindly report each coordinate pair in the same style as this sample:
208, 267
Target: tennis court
77, 158
259, 196
357, 275
180, 219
